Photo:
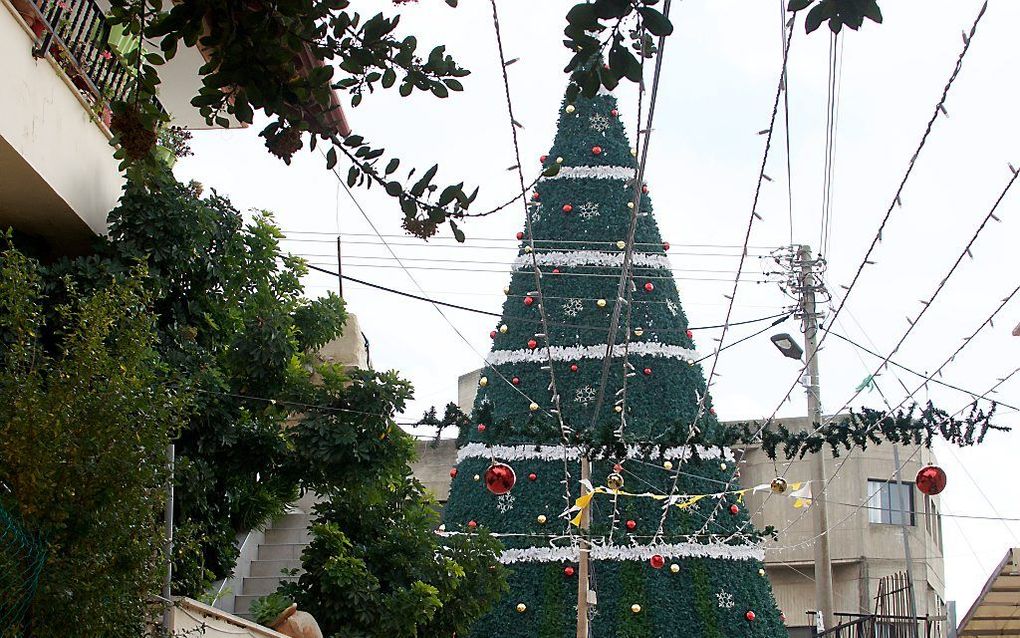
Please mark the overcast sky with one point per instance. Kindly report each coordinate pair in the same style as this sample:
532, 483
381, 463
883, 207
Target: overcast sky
719, 79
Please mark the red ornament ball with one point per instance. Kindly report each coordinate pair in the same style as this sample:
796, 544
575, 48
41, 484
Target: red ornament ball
573, 367
534, 196
657, 561
543, 158
617, 468
568, 571
596, 150
529, 300
665, 245
556, 271
453, 472
750, 616
520, 235
644, 189
472, 524
515, 381
532, 477
711, 411
931, 480
614, 113
649, 287
500, 478
734, 509
532, 344
567, 208
632, 525
782, 616
690, 335
481, 427
492, 335
648, 372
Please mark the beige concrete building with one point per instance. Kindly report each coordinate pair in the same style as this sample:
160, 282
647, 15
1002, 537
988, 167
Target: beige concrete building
866, 540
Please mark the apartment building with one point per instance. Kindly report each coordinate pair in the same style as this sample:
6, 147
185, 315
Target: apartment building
863, 499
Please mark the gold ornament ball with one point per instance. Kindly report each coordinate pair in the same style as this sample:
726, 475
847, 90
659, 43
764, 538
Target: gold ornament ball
614, 481
601, 303
559, 160
533, 407
477, 478
630, 205
761, 572
778, 485
618, 408
621, 244
722, 466
674, 568
570, 108
527, 249
484, 381
668, 465
521, 608
503, 328
636, 608
633, 152
541, 519
638, 332
506, 290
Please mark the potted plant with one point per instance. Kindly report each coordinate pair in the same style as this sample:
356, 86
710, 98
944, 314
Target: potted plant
279, 613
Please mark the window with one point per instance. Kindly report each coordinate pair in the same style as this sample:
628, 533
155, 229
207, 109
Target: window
890, 503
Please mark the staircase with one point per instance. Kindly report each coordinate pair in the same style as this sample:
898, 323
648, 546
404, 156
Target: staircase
285, 539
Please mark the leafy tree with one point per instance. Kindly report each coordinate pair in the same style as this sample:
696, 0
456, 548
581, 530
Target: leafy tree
84, 424
254, 47
375, 567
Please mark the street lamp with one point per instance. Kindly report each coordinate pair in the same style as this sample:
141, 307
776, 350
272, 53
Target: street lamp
787, 346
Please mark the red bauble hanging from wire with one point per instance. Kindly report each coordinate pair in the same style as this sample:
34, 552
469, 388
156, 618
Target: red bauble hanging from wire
931, 480
500, 478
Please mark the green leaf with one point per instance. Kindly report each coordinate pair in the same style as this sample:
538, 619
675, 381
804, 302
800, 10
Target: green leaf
389, 76
552, 171
655, 22
457, 232
394, 188
824, 10
330, 159
354, 140
405, 89
392, 165
797, 5
352, 176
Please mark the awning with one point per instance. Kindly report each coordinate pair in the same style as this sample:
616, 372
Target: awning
996, 612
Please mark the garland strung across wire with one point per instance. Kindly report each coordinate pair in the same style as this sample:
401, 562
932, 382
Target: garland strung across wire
913, 426
906, 427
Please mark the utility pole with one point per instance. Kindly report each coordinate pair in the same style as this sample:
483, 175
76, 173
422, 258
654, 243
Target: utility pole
823, 559
903, 505
582, 562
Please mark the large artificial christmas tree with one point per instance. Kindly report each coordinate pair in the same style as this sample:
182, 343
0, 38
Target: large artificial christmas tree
698, 574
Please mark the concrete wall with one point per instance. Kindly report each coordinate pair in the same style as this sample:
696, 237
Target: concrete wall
435, 458
58, 178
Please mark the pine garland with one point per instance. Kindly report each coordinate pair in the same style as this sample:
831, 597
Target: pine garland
908, 427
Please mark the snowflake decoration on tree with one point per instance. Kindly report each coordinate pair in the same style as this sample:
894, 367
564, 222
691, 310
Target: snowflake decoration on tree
505, 502
725, 599
535, 212
588, 211
599, 123
585, 395
571, 307
671, 306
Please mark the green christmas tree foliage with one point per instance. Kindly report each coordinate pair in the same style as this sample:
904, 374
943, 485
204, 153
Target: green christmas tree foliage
710, 577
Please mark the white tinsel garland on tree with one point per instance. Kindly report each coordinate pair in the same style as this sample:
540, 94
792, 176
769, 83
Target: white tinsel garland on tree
634, 552
594, 258
597, 172
575, 353
558, 452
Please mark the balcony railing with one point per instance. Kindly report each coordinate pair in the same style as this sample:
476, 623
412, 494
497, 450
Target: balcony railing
76, 34
882, 626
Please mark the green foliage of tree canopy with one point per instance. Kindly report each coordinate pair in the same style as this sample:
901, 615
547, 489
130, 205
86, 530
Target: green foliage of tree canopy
84, 424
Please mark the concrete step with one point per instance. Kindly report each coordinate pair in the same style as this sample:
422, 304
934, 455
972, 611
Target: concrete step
281, 551
273, 567
278, 536
242, 604
289, 521
262, 585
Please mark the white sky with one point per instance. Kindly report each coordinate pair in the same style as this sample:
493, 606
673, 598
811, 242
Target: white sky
719, 79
